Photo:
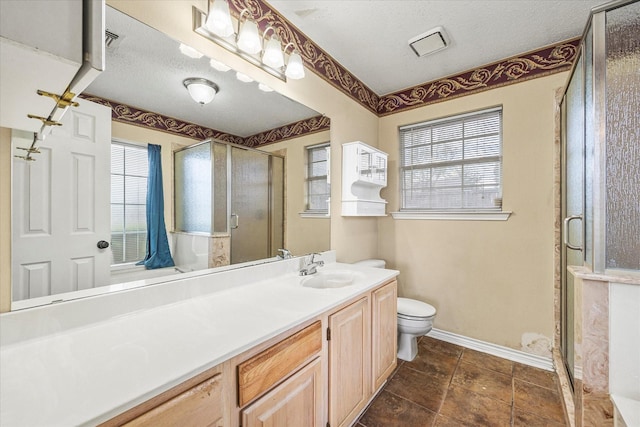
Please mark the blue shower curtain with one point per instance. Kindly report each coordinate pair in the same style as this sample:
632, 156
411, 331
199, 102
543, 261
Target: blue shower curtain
158, 254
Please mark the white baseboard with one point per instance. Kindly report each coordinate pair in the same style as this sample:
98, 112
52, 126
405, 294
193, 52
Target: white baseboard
534, 360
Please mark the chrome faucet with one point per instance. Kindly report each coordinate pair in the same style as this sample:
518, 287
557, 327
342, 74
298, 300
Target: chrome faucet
284, 254
311, 267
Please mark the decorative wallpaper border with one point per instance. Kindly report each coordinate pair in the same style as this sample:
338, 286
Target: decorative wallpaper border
538, 63
134, 116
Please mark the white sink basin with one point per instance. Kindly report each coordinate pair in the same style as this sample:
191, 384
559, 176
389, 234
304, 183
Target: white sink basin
330, 279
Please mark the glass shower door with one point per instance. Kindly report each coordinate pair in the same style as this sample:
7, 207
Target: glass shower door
573, 153
250, 203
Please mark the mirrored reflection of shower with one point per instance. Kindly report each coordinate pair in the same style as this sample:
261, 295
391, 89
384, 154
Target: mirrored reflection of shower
229, 204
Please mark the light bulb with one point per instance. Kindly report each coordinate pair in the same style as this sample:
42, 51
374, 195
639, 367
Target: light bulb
273, 56
248, 39
219, 19
295, 69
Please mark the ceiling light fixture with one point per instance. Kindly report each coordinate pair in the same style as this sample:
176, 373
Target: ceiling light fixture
262, 50
201, 90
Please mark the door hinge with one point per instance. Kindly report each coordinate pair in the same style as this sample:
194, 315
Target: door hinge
328, 339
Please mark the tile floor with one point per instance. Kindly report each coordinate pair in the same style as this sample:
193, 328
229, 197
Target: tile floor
448, 385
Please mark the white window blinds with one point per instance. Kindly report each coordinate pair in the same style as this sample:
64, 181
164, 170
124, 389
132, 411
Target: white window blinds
318, 190
452, 164
129, 171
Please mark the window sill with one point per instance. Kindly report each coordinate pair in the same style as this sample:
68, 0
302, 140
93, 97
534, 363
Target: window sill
314, 215
454, 216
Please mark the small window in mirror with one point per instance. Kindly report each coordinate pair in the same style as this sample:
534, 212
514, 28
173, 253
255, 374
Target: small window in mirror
129, 171
317, 182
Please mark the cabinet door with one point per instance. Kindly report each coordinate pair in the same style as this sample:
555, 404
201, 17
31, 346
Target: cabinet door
201, 405
349, 362
295, 402
384, 332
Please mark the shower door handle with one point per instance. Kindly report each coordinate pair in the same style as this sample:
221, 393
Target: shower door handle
234, 224
565, 232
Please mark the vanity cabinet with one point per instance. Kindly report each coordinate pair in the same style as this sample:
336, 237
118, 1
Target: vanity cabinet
295, 402
199, 401
384, 333
349, 362
362, 352
300, 378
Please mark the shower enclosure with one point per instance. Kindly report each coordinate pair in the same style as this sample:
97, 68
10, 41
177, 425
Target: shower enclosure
600, 162
233, 196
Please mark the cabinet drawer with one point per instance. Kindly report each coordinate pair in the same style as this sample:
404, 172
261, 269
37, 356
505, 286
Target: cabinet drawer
264, 370
201, 405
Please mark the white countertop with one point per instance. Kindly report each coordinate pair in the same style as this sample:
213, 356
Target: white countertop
85, 361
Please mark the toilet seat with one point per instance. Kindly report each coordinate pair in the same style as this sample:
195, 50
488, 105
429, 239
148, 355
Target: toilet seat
411, 309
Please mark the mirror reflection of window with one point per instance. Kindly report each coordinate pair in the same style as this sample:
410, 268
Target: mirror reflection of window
129, 171
318, 187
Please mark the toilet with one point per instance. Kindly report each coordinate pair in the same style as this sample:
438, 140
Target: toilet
415, 318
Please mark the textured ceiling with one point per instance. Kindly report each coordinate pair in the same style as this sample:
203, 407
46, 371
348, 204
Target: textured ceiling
370, 37
145, 69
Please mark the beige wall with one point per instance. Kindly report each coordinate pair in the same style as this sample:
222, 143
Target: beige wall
302, 235
489, 280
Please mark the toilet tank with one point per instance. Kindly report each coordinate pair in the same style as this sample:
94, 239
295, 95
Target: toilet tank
376, 263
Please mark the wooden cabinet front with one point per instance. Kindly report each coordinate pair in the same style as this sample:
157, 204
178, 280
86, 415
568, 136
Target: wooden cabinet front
384, 333
349, 362
295, 402
201, 405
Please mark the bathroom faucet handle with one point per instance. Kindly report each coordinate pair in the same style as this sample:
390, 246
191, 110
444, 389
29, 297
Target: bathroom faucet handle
284, 254
312, 259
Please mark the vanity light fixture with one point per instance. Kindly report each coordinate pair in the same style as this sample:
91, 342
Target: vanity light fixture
201, 90
262, 50
189, 51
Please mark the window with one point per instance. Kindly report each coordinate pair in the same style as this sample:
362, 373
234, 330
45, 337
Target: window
129, 170
452, 164
318, 187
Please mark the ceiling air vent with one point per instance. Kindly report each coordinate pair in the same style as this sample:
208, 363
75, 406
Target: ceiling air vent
430, 42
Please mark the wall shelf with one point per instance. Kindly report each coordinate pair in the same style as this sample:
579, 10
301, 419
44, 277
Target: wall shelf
364, 174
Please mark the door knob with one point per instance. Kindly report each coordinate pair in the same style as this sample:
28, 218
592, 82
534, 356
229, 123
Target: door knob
103, 244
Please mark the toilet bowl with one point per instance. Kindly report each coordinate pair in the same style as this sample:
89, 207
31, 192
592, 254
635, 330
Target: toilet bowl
415, 318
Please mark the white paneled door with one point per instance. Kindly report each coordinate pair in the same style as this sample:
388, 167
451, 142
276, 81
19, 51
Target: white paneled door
61, 207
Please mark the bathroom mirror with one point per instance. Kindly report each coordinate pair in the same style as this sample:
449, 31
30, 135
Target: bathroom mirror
145, 69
